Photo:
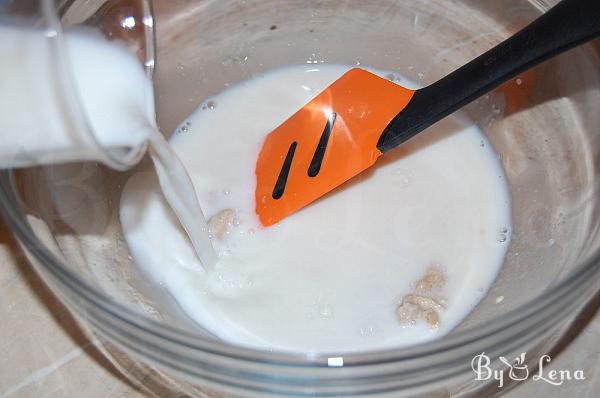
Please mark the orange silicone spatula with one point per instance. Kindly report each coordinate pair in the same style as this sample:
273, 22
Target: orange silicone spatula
343, 130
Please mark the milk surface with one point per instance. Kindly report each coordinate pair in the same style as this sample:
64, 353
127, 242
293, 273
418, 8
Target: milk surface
330, 277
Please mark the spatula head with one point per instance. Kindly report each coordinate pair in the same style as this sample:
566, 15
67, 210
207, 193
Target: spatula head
328, 141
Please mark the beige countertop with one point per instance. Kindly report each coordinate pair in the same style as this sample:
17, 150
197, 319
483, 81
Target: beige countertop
44, 354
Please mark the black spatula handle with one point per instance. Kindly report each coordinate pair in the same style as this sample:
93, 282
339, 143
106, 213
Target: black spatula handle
568, 24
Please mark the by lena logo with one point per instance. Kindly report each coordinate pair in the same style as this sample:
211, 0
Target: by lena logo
518, 370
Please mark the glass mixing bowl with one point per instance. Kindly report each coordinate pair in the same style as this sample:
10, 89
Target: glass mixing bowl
544, 124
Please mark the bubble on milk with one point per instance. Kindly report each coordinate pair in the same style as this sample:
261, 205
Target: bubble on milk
228, 281
502, 235
326, 311
403, 177
315, 59
394, 78
209, 105
184, 129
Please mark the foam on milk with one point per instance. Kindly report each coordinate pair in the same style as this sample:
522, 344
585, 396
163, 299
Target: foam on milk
330, 277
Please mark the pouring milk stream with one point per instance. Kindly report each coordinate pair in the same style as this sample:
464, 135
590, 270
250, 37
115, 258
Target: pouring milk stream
109, 107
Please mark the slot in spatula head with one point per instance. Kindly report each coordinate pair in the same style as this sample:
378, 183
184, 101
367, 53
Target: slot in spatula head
328, 141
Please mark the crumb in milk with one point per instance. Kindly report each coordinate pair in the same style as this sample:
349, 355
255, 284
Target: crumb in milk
422, 304
434, 278
222, 222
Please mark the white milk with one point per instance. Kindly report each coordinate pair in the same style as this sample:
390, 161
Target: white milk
37, 122
330, 277
39, 125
